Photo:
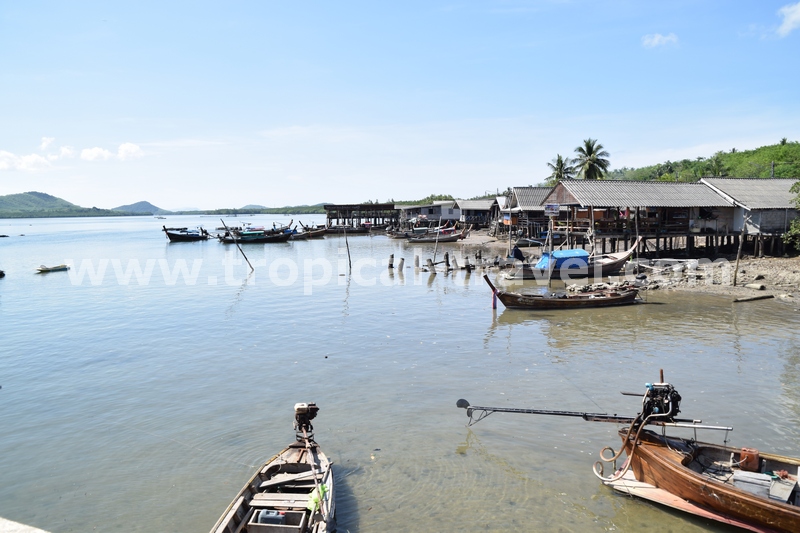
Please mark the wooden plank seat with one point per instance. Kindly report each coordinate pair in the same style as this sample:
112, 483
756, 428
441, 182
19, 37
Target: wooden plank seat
278, 499
300, 478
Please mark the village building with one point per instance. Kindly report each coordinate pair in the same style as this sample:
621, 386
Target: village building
429, 214
662, 213
476, 213
358, 215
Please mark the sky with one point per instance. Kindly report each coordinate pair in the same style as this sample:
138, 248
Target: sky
223, 104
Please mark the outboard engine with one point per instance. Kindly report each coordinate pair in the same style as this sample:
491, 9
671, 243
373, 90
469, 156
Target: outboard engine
661, 401
304, 413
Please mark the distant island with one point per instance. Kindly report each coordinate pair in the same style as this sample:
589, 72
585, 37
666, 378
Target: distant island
41, 205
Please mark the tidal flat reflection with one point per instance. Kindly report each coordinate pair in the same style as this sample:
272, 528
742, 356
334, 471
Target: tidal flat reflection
145, 407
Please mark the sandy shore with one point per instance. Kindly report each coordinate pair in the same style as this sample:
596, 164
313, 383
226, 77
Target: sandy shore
779, 276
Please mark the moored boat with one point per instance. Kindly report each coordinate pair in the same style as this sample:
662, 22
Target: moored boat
45, 269
572, 264
742, 487
255, 237
184, 234
441, 237
292, 492
563, 300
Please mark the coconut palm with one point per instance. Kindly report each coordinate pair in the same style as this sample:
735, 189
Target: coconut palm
562, 170
591, 162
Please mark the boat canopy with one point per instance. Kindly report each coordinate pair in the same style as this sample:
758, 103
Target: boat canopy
565, 259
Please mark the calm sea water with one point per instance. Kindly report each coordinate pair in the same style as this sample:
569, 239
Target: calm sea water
140, 395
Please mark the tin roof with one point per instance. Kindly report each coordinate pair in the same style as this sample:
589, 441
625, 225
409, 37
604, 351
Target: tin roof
531, 197
475, 205
756, 193
620, 193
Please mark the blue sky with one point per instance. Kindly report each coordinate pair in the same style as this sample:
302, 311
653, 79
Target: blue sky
223, 104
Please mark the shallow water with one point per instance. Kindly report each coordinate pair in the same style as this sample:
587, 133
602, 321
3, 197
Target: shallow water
143, 403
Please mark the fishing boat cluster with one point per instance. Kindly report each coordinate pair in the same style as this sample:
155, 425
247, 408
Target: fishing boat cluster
283, 233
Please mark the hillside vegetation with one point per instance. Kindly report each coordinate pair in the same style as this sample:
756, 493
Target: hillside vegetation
142, 208
780, 160
40, 205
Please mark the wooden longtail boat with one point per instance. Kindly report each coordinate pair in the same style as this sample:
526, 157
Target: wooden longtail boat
45, 269
293, 492
255, 237
737, 486
743, 484
571, 264
450, 237
563, 300
314, 232
185, 235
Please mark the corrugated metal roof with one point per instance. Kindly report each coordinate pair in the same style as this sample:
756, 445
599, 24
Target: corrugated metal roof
756, 193
531, 197
619, 193
475, 205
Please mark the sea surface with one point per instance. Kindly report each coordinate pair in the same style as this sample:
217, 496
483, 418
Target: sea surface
142, 388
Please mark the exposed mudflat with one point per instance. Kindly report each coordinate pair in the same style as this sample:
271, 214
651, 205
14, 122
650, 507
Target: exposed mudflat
776, 276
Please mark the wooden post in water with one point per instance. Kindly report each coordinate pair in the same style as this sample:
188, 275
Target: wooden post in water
416, 261
400, 266
391, 261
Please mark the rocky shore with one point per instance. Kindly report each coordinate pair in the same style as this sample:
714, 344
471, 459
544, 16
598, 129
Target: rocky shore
778, 277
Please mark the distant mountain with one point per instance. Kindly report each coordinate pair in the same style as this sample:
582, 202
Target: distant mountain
38, 204
29, 201
142, 208
254, 206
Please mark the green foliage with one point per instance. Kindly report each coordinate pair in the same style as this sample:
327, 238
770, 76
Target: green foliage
561, 169
427, 200
41, 205
592, 162
756, 163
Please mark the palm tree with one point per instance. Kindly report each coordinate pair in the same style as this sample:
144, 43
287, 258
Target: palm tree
715, 165
562, 170
591, 161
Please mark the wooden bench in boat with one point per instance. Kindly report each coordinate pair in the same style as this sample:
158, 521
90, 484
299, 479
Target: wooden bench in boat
300, 478
278, 499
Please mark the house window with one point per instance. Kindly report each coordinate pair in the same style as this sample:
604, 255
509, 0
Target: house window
449, 211
430, 211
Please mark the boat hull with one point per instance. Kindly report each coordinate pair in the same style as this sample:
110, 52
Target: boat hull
260, 239
663, 463
584, 300
284, 487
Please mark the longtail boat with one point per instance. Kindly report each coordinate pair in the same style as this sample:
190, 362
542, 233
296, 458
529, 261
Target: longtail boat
45, 269
572, 264
743, 487
565, 300
184, 234
292, 492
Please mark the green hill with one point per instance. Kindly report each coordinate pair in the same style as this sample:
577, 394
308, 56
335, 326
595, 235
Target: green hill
780, 160
40, 205
142, 208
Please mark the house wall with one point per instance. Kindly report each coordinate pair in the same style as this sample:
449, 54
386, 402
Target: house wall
770, 220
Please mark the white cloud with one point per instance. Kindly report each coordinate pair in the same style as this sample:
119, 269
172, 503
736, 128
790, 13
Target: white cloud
791, 19
31, 162
656, 39
95, 154
46, 141
129, 151
66, 151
